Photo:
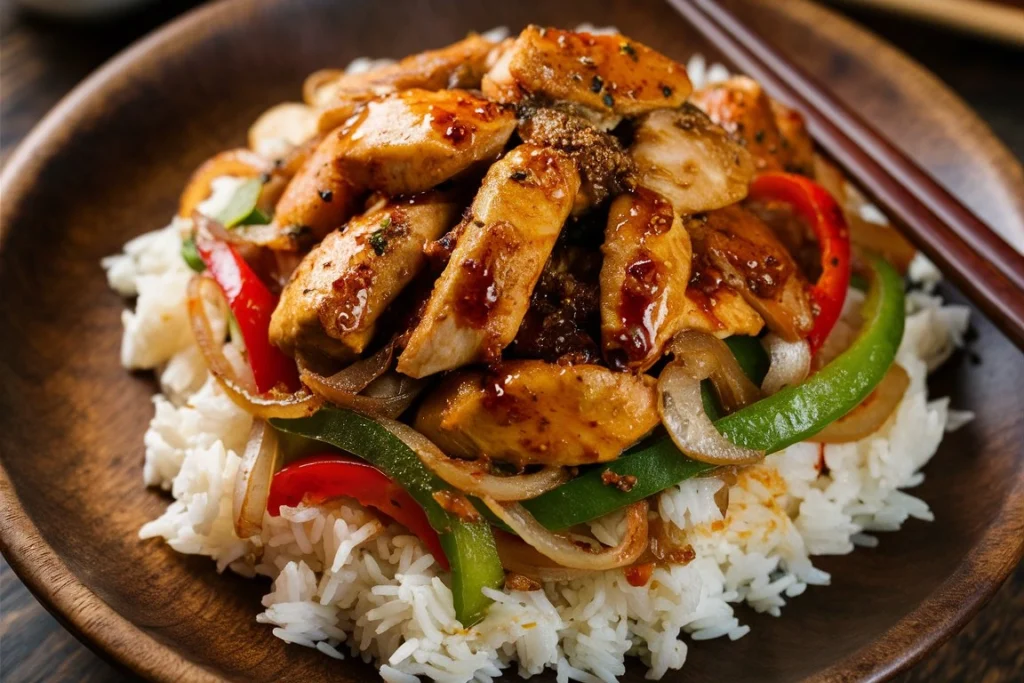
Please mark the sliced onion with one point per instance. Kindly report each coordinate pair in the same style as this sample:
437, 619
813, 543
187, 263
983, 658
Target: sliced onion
300, 404
682, 414
519, 557
252, 481
869, 416
470, 477
375, 406
790, 363
566, 552
709, 356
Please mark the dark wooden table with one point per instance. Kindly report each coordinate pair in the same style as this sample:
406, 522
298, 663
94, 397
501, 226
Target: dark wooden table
41, 60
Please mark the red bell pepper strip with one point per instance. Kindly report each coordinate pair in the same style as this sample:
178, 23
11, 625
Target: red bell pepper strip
814, 204
318, 478
252, 305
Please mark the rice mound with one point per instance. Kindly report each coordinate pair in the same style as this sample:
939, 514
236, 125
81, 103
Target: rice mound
346, 584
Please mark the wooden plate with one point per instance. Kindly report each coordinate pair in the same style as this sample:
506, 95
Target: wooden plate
108, 163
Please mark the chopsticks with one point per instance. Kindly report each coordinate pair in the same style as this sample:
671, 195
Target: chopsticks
987, 269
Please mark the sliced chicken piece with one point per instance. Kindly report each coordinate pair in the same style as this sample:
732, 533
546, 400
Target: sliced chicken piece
482, 295
644, 276
403, 144
338, 94
751, 259
605, 167
797, 145
691, 161
336, 295
609, 76
411, 141
319, 198
531, 412
741, 107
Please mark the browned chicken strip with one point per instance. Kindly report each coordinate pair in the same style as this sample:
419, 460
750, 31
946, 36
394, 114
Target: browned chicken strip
750, 258
605, 167
741, 107
691, 161
338, 95
644, 276
334, 298
404, 144
608, 75
531, 412
481, 297
411, 141
318, 198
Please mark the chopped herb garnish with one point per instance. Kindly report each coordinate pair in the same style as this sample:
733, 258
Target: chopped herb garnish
596, 84
191, 255
608, 100
627, 49
378, 241
385, 222
241, 203
326, 195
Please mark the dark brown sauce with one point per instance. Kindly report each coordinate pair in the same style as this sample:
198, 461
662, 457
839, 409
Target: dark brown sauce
457, 504
448, 125
640, 290
763, 272
649, 215
353, 291
477, 295
705, 283
500, 401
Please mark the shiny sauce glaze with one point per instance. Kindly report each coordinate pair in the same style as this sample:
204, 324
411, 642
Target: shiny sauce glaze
642, 287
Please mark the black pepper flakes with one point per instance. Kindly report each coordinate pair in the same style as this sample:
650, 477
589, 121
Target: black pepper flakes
518, 176
326, 195
627, 49
608, 100
596, 84
666, 91
759, 137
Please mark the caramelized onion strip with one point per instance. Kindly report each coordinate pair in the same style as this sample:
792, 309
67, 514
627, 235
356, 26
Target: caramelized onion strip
567, 553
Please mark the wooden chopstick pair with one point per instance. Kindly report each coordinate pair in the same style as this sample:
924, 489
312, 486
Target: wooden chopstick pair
987, 269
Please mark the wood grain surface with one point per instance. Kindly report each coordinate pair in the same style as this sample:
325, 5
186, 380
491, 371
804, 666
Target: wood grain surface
40, 61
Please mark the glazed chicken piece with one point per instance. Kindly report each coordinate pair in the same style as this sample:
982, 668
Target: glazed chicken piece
336, 295
741, 107
605, 76
712, 306
690, 161
797, 145
411, 141
749, 257
605, 167
644, 276
403, 144
338, 95
531, 412
481, 297
318, 198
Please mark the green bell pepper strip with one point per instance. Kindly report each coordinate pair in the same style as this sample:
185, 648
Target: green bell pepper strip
469, 546
191, 256
771, 424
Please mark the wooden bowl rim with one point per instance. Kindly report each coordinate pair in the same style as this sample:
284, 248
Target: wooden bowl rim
942, 614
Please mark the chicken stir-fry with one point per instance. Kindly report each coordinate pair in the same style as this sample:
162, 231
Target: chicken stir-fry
533, 266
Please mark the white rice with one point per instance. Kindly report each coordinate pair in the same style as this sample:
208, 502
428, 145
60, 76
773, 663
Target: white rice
348, 586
